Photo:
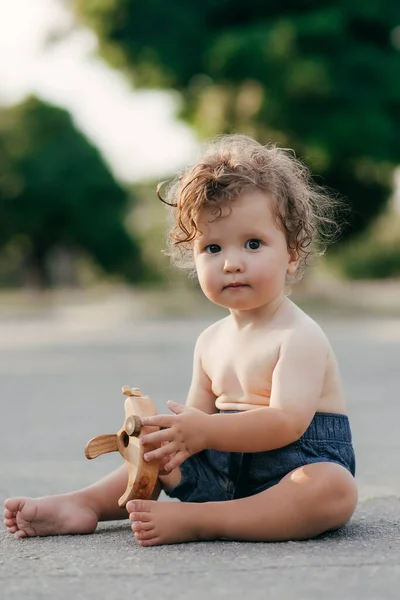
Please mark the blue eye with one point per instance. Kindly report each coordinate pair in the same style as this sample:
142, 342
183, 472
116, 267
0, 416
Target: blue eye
253, 244
212, 249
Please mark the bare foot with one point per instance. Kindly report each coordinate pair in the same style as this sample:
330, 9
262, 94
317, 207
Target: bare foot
155, 523
51, 515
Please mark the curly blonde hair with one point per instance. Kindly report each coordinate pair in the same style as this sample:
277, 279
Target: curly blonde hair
232, 164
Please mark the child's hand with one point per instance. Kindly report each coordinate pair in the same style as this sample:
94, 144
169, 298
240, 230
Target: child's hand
163, 462
182, 435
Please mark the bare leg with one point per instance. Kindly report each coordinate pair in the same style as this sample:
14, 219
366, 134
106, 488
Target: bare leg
307, 502
75, 512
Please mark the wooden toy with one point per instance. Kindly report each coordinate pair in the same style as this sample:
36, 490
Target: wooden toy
142, 476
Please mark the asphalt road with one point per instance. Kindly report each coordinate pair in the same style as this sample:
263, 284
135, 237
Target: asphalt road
60, 380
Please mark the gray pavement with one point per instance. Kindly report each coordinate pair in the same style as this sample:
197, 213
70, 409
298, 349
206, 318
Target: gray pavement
60, 376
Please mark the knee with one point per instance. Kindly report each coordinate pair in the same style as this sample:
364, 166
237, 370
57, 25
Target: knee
339, 495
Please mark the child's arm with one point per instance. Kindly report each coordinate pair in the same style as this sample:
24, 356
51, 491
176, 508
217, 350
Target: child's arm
297, 383
200, 393
200, 404
296, 390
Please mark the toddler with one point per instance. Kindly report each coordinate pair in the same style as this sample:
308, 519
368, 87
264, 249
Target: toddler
262, 449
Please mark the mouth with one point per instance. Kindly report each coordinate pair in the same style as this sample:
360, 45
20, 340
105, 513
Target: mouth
235, 285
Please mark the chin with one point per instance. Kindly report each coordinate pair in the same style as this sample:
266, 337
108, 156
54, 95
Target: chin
244, 306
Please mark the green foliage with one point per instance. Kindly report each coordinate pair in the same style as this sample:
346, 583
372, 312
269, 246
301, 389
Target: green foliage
322, 78
370, 261
56, 191
375, 254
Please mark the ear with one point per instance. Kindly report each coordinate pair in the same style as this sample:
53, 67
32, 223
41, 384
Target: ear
294, 260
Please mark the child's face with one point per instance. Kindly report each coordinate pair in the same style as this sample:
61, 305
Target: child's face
242, 259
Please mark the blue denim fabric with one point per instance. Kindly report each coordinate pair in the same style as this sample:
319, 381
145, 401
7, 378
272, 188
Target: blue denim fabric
212, 475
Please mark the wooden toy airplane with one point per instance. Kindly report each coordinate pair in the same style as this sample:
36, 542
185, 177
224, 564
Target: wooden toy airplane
142, 476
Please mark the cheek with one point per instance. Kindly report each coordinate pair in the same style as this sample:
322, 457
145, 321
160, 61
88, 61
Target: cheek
271, 268
209, 280
204, 273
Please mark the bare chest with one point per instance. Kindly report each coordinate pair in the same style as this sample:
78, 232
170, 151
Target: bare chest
239, 369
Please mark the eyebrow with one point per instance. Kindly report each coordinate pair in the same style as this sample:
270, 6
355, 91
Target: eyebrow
254, 234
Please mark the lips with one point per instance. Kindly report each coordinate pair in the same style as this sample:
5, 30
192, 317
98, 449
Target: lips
235, 285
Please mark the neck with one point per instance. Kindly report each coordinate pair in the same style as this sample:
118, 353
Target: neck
263, 314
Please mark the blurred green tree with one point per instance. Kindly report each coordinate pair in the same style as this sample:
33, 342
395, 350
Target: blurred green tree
322, 78
56, 191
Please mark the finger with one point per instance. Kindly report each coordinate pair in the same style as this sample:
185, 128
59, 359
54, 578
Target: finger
162, 464
176, 407
156, 438
158, 420
175, 461
159, 453
165, 460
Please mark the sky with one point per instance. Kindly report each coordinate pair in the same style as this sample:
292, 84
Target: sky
136, 131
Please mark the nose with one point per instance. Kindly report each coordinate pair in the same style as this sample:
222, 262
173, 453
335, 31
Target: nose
233, 264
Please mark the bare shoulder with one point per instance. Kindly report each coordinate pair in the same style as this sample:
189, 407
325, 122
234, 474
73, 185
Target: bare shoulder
209, 335
305, 331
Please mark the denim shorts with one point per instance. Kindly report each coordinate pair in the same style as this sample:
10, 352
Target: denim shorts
211, 475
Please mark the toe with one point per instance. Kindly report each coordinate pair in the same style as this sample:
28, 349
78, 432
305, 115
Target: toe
138, 506
12, 504
20, 534
12, 529
152, 542
144, 535
134, 506
141, 526
9, 522
144, 517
